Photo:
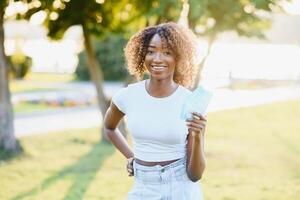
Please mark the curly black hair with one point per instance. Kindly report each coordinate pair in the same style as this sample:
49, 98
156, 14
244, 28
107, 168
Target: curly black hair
175, 37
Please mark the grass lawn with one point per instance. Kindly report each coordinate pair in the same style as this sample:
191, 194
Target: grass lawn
252, 154
49, 77
18, 86
32, 82
29, 107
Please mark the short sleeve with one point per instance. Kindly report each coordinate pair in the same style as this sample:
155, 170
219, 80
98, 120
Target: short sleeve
120, 99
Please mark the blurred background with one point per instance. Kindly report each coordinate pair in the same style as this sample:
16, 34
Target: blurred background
62, 60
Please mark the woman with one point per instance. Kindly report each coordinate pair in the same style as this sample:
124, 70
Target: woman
168, 159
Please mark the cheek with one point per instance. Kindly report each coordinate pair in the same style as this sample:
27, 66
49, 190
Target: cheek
172, 62
147, 60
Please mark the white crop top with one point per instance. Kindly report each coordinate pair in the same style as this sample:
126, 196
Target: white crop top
158, 132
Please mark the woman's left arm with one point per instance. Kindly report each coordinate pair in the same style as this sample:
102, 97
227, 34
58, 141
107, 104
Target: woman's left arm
195, 147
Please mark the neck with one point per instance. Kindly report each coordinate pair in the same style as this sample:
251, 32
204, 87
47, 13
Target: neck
161, 88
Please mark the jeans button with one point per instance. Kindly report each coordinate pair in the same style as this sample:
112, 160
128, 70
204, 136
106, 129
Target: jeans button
163, 170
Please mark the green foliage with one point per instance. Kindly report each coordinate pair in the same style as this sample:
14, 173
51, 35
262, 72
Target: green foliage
20, 65
153, 12
101, 18
109, 53
3, 4
97, 17
211, 17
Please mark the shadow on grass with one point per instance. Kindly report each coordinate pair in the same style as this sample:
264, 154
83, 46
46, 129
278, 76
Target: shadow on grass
7, 156
82, 173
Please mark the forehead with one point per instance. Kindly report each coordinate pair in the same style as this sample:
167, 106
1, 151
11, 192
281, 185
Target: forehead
155, 41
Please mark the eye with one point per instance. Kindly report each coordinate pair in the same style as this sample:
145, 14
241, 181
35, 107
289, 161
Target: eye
167, 53
149, 52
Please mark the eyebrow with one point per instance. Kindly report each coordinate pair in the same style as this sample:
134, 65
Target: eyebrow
151, 46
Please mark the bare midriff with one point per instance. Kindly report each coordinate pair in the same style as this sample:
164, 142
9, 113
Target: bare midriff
149, 164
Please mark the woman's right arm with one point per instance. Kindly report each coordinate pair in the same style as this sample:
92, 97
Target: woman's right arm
111, 119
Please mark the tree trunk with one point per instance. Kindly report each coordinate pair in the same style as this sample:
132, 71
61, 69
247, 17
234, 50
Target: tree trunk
96, 75
183, 19
203, 62
7, 138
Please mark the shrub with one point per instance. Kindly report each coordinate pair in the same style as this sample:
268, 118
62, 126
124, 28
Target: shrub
20, 65
109, 53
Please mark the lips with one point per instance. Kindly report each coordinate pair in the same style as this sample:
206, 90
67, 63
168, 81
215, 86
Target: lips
157, 67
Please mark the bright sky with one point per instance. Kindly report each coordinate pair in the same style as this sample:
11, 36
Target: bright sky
268, 61
292, 7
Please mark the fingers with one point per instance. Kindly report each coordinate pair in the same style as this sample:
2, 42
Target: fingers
198, 116
130, 167
194, 127
197, 123
130, 170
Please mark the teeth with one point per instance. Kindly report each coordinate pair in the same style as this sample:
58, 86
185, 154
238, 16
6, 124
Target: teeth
157, 67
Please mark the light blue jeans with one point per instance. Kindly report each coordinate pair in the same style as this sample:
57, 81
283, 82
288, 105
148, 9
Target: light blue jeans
168, 182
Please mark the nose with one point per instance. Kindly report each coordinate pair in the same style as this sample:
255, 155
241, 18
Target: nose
157, 58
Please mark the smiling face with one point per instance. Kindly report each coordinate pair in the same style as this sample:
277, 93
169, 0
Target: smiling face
159, 61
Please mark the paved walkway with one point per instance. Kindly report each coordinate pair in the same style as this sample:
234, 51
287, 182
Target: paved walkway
73, 118
76, 91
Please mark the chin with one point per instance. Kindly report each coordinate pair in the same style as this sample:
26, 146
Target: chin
160, 77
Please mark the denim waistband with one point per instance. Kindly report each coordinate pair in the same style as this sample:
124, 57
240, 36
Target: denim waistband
159, 167
161, 174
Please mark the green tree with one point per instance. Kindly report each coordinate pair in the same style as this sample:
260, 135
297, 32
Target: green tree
8, 141
19, 70
109, 53
20, 64
153, 12
209, 18
97, 18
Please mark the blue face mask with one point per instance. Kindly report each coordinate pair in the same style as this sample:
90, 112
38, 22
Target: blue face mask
197, 102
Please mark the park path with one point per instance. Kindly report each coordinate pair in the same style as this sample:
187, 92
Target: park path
84, 117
